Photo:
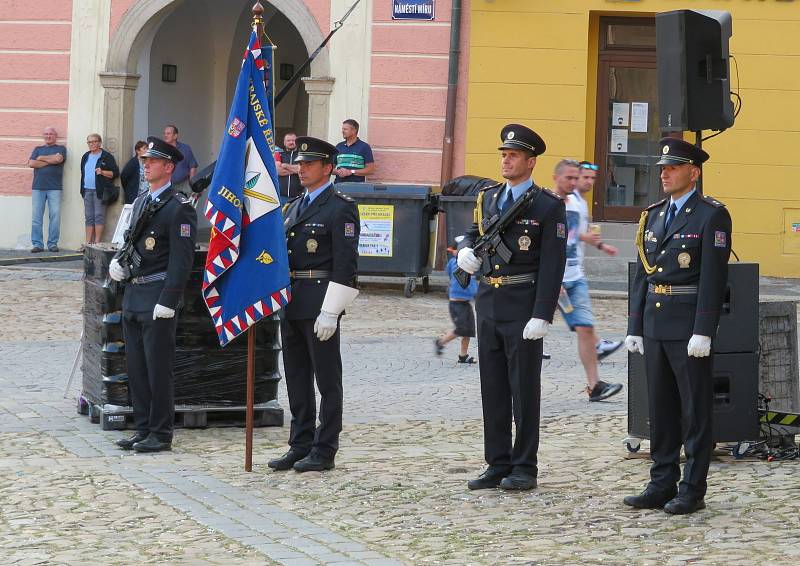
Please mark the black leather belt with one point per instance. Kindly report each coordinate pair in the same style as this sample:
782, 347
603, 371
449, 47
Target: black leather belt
148, 278
660, 289
309, 274
509, 279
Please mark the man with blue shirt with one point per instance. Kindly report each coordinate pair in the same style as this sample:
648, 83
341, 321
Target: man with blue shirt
322, 228
354, 160
520, 278
684, 243
47, 162
186, 168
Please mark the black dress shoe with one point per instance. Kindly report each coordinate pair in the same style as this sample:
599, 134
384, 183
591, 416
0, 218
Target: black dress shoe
127, 443
518, 481
684, 504
650, 498
314, 463
286, 461
152, 444
489, 479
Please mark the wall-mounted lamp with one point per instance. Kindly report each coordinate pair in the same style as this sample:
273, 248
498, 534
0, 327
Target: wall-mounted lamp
169, 73
286, 71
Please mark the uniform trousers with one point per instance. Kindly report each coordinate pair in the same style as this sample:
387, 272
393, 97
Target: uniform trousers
150, 351
510, 369
681, 402
304, 358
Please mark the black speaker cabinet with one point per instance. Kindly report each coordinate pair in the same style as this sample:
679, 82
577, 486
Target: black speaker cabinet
735, 397
693, 70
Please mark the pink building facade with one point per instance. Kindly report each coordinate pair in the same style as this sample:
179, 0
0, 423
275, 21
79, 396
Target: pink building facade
95, 66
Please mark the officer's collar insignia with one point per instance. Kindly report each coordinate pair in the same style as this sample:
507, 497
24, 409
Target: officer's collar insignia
510, 135
665, 150
304, 147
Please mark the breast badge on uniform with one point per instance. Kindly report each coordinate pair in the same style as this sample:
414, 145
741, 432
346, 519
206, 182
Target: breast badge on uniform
150, 243
524, 243
312, 245
684, 259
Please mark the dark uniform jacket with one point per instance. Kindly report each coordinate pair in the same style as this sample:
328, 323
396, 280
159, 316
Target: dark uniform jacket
166, 245
538, 239
324, 237
693, 251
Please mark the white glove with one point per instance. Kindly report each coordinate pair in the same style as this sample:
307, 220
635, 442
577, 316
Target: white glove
163, 312
116, 271
699, 346
467, 260
325, 325
635, 344
535, 329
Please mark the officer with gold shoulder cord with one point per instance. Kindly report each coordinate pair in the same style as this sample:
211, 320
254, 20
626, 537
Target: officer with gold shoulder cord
520, 278
155, 262
322, 229
684, 243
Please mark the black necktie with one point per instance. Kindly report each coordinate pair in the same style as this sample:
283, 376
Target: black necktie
673, 210
509, 200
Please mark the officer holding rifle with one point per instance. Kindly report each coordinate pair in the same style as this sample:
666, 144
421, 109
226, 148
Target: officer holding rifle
517, 249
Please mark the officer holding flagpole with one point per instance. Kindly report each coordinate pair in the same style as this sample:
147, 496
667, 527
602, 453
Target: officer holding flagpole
322, 229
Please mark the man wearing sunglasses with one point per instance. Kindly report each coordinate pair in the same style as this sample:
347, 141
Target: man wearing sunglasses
578, 313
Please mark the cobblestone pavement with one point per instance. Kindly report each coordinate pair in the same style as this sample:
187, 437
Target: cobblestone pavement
412, 438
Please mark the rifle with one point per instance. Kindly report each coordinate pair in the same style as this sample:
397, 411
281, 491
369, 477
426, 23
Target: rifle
491, 240
127, 256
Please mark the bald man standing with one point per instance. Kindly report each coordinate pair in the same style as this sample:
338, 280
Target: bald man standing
47, 162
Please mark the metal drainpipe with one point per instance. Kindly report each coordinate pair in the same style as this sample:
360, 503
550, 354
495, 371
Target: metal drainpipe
452, 86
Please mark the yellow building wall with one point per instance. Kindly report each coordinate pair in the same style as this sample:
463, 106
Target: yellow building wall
535, 62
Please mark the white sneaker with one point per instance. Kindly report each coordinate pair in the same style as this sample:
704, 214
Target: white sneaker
605, 348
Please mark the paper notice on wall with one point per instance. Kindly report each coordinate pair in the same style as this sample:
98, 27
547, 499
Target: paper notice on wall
377, 227
619, 140
639, 117
619, 114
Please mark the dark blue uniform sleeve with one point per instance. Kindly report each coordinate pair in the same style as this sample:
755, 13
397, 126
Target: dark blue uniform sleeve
636, 299
345, 244
551, 264
716, 251
182, 235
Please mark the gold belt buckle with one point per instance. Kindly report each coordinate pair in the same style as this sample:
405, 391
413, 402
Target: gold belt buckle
662, 289
496, 281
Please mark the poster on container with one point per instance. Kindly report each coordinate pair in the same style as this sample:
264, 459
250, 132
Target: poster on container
413, 9
377, 227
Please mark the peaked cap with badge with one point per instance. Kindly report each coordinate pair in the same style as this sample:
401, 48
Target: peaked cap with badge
313, 149
159, 149
517, 136
680, 152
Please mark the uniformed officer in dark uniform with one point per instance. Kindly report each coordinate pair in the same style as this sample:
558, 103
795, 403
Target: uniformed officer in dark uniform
684, 243
515, 305
322, 229
163, 257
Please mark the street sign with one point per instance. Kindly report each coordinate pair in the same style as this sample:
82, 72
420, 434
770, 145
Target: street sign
413, 9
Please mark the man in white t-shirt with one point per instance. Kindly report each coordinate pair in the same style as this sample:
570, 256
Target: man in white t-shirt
574, 304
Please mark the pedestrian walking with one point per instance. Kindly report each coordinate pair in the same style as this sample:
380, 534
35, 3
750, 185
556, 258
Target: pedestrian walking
684, 243
517, 293
164, 225
322, 229
461, 312
575, 304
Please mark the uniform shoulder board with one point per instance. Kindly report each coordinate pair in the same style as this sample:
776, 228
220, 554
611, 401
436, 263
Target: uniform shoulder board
713, 202
550, 193
656, 204
491, 186
343, 196
182, 198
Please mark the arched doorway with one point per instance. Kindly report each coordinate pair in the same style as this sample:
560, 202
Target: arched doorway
204, 40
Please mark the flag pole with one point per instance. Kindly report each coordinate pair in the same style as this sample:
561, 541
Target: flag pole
258, 23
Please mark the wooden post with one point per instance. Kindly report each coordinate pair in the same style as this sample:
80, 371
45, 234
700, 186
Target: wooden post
258, 22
